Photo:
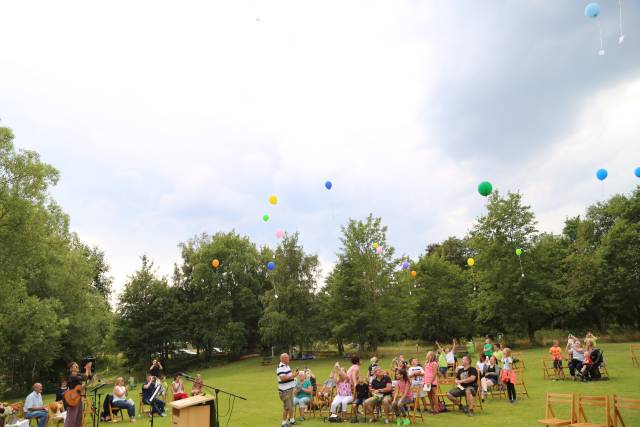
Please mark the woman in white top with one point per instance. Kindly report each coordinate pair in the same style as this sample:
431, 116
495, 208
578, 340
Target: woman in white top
120, 399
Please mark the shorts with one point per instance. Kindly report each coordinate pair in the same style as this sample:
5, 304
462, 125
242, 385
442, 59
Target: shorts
303, 402
376, 400
443, 370
557, 364
287, 399
359, 401
456, 392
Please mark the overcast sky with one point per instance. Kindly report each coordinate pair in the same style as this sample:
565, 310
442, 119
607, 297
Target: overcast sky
168, 119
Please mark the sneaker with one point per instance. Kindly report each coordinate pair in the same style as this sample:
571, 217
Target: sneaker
406, 422
463, 409
386, 420
292, 421
164, 414
398, 422
301, 418
471, 414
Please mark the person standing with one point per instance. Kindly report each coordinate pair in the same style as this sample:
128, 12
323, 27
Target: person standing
354, 372
75, 414
156, 368
286, 386
34, 407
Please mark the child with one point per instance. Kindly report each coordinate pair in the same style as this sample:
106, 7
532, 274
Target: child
488, 348
401, 397
481, 363
556, 355
507, 375
362, 394
498, 353
431, 380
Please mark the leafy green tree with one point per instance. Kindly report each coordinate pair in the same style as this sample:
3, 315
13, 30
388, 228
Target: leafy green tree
290, 306
144, 326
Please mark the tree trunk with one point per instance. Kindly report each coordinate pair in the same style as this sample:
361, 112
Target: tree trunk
531, 331
340, 347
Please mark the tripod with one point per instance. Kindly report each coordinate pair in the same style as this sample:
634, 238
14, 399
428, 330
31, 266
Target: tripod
216, 391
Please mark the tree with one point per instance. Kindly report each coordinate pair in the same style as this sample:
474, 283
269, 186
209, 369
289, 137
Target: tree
221, 307
290, 306
144, 324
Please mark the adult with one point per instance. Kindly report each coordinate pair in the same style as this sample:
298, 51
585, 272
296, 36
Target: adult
34, 406
592, 338
155, 368
466, 380
75, 414
302, 397
344, 395
148, 390
490, 375
353, 373
416, 376
577, 359
197, 389
381, 389
177, 387
286, 386
431, 380
402, 396
120, 399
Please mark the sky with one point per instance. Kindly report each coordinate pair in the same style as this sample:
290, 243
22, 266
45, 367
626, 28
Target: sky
170, 119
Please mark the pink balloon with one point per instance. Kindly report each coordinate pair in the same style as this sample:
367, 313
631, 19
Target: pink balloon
379, 250
279, 234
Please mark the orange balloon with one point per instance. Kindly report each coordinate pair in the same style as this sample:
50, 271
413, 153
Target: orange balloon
414, 273
215, 263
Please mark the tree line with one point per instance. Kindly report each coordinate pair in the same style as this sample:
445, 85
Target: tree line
56, 289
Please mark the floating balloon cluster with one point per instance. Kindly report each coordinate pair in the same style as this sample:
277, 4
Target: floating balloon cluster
592, 11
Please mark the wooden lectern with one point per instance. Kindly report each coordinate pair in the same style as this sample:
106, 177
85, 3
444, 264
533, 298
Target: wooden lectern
196, 411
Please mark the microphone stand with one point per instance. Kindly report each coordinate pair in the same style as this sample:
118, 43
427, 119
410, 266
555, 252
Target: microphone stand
216, 391
96, 409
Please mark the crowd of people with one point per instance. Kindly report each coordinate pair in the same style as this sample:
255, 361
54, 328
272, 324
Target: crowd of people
378, 391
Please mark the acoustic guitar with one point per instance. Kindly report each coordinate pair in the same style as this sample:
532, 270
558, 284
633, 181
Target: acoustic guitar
73, 396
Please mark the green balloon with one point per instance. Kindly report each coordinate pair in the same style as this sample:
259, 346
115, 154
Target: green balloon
518, 251
485, 188
265, 217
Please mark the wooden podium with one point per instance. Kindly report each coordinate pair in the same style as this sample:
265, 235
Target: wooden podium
196, 411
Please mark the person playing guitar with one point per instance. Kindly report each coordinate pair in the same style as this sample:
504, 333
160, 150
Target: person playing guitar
73, 396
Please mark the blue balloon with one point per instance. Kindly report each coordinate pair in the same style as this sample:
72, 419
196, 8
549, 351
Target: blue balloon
271, 265
592, 10
328, 185
602, 174
638, 172
405, 265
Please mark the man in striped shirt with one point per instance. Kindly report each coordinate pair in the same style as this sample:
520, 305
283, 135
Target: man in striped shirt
286, 385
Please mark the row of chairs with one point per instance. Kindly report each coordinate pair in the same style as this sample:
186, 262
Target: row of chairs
577, 410
549, 372
143, 408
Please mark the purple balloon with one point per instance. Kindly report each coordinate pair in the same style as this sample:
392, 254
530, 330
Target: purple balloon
405, 265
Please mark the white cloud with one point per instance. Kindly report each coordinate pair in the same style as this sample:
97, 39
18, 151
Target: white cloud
169, 121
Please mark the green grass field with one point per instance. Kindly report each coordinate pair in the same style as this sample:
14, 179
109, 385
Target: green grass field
258, 384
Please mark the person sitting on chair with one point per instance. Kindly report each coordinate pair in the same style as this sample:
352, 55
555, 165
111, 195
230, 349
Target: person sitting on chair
302, 395
178, 388
120, 399
61, 389
34, 407
148, 390
381, 390
490, 376
197, 387
466, 380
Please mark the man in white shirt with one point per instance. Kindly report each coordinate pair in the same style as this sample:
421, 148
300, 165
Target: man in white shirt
34, 407
286, 385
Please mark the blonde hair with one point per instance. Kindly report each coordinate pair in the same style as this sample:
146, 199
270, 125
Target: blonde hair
430, 357
506, 352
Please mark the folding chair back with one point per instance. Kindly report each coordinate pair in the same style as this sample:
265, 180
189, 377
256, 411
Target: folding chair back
518, 360
114, 412
521, 387
546, 372
444, 384
634, 349
418, 408
623, 403
551, 419
593, 402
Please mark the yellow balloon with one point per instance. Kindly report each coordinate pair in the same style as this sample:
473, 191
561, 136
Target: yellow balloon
470, 262
375, 245
215, 263
273, 200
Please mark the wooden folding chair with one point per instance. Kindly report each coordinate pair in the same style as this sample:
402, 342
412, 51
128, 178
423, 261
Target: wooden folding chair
623, 403
550, 372
477, 398
418, 408
592, 401
634, 349
520, 382
444, 384
145, 408
114, 412
551, 419
518, 360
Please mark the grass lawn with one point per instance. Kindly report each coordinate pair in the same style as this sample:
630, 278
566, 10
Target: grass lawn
258, 384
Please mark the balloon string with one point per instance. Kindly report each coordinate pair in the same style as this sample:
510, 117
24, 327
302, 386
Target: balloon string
601, 52
521, 269
620, 9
